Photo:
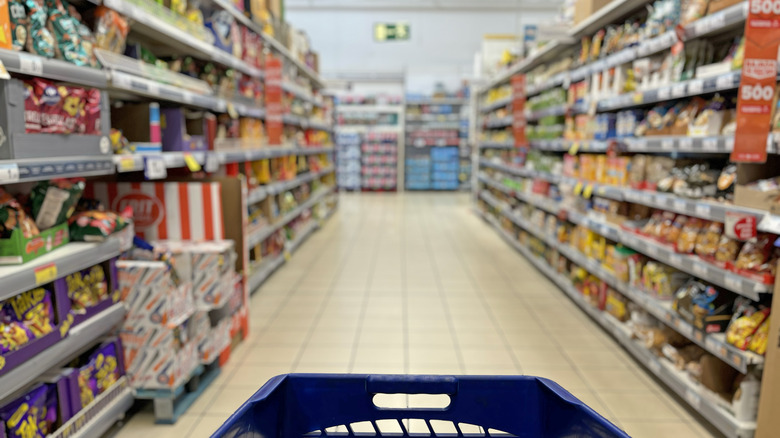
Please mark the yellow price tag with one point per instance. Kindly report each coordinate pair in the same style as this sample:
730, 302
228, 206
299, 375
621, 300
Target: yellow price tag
588, 191
639, 97
578, 188
115, 296
192, 163
287, 255
126, 164
231, 110
46, 274
65, 327
575, 147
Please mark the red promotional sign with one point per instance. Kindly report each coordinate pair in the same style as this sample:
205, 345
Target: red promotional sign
759, 78
740, 226
273, 100
518, 110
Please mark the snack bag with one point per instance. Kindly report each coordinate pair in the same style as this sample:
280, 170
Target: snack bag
33, 309
40, 40
104, 366
87, 288
29, 416
65, 31
758, 341
12, 216
53, 202
728, 249
13, 334
745, 323
707, 241
755, 253
32, 113
95, 226
110, 30
20, 24
686, 243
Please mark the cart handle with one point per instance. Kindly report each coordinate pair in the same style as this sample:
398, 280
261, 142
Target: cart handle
404, 384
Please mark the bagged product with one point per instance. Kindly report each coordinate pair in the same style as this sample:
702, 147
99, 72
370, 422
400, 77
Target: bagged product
96, 226
65, 30
53, 202
20, 24
728, 249
704, 306
745, 322
756, 253
87, 288
32, 312
686, 242
110, 30
40, 40
707, 241
32, 415
13, 217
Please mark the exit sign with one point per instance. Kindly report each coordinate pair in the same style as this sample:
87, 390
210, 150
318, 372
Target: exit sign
391, 31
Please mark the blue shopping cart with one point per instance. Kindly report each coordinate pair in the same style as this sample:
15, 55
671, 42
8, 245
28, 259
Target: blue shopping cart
312, 405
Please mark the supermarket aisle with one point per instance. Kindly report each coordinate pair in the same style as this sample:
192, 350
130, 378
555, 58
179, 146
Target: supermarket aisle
417, 283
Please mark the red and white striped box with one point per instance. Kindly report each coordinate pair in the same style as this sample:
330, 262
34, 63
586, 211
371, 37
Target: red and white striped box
169, 210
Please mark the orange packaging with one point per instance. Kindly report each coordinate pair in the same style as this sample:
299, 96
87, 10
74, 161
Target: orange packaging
587, 167
5, 26
601, 169
759, 78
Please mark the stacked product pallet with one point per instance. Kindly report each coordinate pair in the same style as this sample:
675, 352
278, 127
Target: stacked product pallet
215, 166
433, 144
369, 135
616, 162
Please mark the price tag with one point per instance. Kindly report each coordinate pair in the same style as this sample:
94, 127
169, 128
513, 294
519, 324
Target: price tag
154, 168
693, 398
699, 268
711, 344
685, 329
9, 173
678, 90
126, 164
154, 89
703, 210
733, 282
663, 93
45, 274
709, 144
696, 86
675, 259
31, 65
212, 163
725, 81
667, 144
698, 336
680, 205
638, 97
192, 163
588, 191
652, 251
686, 143
578, 188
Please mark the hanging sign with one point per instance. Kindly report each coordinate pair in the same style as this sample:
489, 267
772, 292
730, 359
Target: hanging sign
391, 31
759, 78
518, 112
273, 100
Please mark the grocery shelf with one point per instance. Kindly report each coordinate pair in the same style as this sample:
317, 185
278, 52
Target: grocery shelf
720, 21
497, 145
539, 201
262, 234
80, 337
55, 69
709, 405
437, 101
611, 12
147, 23
692, 87
543, 54
688, 263
301, 93
261, 272
560, 145
172, 160
554, 81
258, 194
63, 261
36, 169
435, 118
239, 156
557, 110
721, 144
499, 103
502, 122
101, 414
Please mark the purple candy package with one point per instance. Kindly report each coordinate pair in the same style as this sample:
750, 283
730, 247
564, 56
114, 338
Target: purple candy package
28, 416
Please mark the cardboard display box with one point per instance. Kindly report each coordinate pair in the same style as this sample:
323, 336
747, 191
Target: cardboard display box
585, 8
747, 196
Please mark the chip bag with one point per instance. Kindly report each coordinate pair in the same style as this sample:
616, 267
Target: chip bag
53, 202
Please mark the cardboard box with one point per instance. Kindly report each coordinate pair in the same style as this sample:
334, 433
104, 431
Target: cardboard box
718, 5
585, 8
19, 249
132, 119
184, 131
170, 210
746, 196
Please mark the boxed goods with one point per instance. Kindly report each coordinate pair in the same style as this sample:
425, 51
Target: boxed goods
90, 290
61, 109
131, 120
184, 131
705, 307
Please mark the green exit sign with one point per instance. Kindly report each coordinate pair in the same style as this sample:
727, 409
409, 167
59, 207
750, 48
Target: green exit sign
391, 31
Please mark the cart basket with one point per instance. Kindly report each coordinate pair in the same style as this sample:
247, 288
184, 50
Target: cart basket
297, 405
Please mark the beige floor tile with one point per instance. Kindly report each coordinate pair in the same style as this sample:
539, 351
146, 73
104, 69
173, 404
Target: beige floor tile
539, 355
381, 338
142, 425
373, 355
613, 380
231, 398
275, 355
433, 355
474, 356
567, 377
655, 429
330, 354
595, 357
639, 406
248, 375
332, 337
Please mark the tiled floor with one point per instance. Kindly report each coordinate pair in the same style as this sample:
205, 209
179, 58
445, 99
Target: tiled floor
417, 283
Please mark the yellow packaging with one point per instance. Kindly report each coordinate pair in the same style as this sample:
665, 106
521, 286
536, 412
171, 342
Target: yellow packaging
601, 169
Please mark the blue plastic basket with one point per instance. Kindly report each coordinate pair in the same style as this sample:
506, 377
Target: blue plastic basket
297, 405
